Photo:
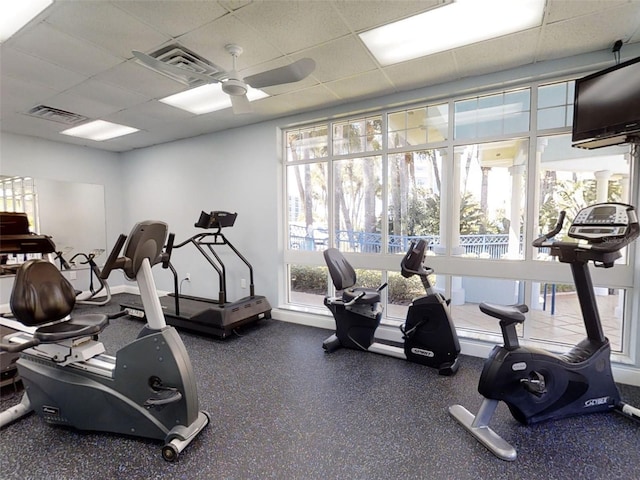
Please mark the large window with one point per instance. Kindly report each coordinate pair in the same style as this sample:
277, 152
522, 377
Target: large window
18, 194
491, 198
478, 177
414, 189
357, 204
307, 188
492, 115
555, 105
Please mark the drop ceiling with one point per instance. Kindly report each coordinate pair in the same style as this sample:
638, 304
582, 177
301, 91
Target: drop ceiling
76, 57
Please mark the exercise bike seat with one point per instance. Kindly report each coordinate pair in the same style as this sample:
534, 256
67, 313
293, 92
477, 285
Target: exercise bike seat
42, 297
508, 314
344, 278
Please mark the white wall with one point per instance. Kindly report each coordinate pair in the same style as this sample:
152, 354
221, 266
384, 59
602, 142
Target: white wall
236, 171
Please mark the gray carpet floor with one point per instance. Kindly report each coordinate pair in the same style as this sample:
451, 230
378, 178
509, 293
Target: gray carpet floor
283, 409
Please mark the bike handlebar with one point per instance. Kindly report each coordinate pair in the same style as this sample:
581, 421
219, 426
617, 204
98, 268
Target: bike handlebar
112, 261
539, 242
166, 256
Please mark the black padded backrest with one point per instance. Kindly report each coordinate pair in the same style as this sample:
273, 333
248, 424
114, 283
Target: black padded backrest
146, 240
411, 263
41, 294
342, 273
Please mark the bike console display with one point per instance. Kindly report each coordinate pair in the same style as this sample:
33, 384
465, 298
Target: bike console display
604, 222
606, 227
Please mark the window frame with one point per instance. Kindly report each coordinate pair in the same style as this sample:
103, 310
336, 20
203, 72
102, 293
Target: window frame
447, 263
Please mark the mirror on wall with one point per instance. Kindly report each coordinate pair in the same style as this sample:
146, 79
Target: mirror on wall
71, 213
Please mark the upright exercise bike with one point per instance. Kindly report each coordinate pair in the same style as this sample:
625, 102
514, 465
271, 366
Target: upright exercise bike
429, 335
148, 389
535, 384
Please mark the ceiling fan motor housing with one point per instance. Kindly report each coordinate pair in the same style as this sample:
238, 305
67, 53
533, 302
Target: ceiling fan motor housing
234, 87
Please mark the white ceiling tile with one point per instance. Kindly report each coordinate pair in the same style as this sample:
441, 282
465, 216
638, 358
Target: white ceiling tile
330, 59
109, 94
20, 96
362, 86
271, 106
173, 17
65, 51
292, 26
588, 32
106, 26
361, 15
134, 76
210, 40
431, 70
317, 96
498, 54
28, 125
16, 64
89, 107
558, 10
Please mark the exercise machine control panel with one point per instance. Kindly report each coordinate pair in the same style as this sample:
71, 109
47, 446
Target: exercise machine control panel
603, 222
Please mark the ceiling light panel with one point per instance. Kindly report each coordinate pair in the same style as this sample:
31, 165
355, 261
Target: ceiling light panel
207, 98
99, 130
463, 22
15, 14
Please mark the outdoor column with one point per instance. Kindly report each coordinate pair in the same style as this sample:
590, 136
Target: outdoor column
517, 175
457, 292
602, 193
624, 188
536, 299
602, 184
624, 197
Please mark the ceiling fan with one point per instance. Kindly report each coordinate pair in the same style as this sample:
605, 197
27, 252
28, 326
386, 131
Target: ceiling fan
232, 83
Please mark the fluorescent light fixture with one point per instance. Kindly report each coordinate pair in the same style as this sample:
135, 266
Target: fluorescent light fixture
15, 14
99, 130
207, 98
453, 25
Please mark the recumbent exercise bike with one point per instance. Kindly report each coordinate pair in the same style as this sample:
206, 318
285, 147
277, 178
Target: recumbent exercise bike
429, 335
147, 390
538, 385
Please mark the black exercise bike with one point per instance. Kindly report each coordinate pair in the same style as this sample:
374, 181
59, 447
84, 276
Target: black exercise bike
538, 385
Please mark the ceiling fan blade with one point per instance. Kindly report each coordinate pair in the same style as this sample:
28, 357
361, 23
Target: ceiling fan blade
290, 73
182, 73
240, 104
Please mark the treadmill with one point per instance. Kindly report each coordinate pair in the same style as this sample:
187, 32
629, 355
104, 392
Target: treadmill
15, 238
218, 317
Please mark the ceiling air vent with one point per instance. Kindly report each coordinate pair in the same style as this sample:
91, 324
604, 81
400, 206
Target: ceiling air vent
182, 57
56, 115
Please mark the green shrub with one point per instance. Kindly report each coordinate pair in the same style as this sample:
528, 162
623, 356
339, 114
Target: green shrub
403, 290
309, 279
314, 280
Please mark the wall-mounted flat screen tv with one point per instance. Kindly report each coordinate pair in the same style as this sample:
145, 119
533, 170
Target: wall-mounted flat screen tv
606, 109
